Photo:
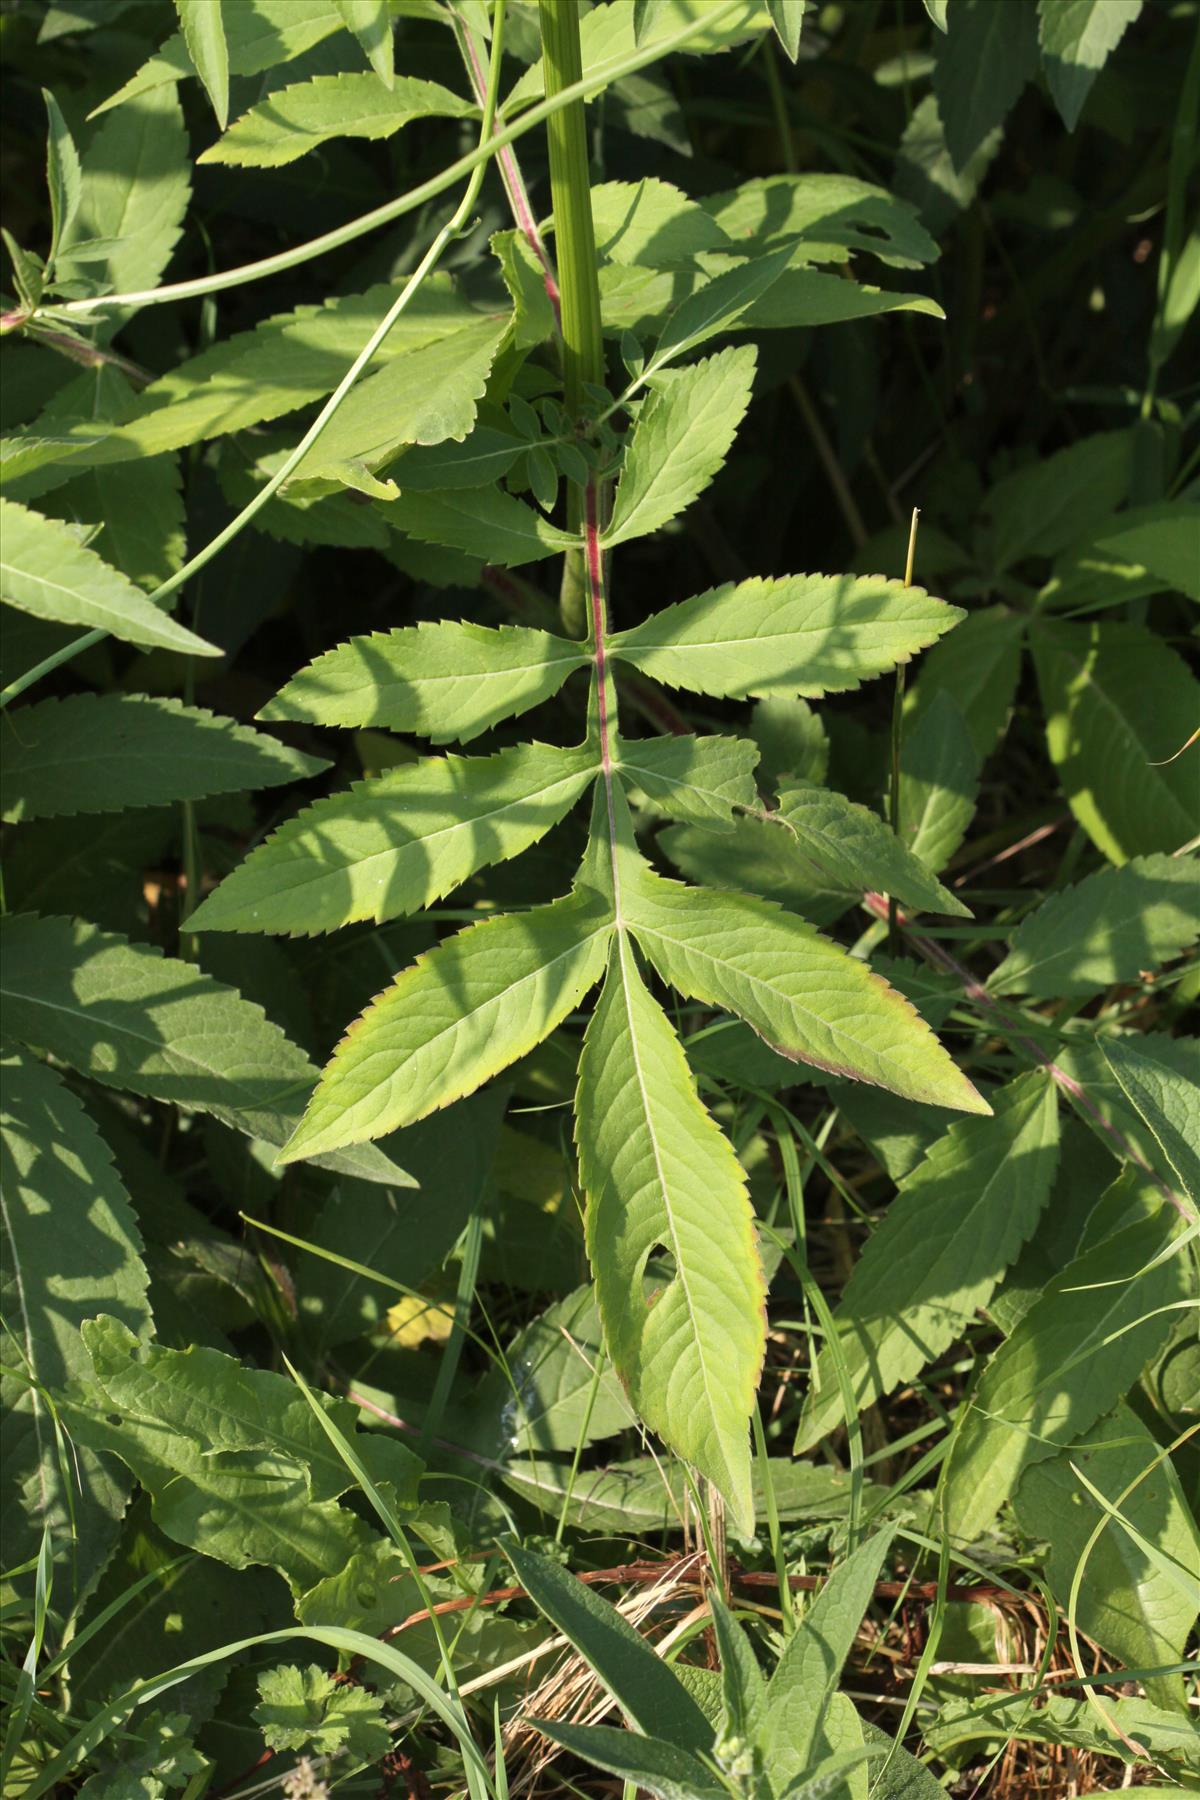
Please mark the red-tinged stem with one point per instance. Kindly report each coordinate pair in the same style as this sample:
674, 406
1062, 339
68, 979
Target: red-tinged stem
510, 173
978, 995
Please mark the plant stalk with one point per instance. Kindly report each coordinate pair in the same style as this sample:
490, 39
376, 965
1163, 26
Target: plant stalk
575, 254
898, 737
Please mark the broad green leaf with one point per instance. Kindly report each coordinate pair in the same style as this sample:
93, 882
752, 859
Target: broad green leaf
485, 455
1110, 927
442, 680
46, 571
988, 55
791, 741
259, 34
853, 848
957, 1222
715, 306
1049, 504
71, 1249
829, 217
898, 1775
1165, 1098
1118, 702
939, 782
809, 999
806, 1676
485, 522
203, 30
371, 23
298, 119
135, 190
548, 1398
101, 752
799, 634
1059, 1720
422, 396
801, 299
787, 16
699, 779
131, 1018
757, 856
1126, 1604
391, 845
1073, 1355
1077, 39
643, 1685
1165, 540
606, 34
286, 362
63, 175
660, 1178
303, 1708
235, 1462
461, 1013
925, 173
978, 665
681, 438
648, 1764
652, 224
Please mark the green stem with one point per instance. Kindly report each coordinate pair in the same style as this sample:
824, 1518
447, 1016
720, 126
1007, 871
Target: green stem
601, 76
898, 739
445, 236
575, 253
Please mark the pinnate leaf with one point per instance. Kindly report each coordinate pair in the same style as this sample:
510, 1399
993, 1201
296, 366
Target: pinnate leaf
443, 680
681, 438
484, 521
46, 571
1118, 701
258, 36
93, 753
809, 999
799, 634
461, 1013
1112, 926
853, 847
660, 1177
698, 779
955, 1225
391, 845
299, 118
1154, 1083
988, 55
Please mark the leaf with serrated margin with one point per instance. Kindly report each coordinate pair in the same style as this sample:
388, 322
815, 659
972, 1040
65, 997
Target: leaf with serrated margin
660, 1177
939, 782
1112, 926
1056, 1719
652, 224
716, 305
203, 30
371, 23
681, 438
300, 118
461, 1013
63, 176
698, 779
1165, 1098
1077, 38
94, 753
644, 1686
1048, 505
422, 397
757, 856
1118, 702
395, 843
442, 681
806, 1675
46, 571
484, 521
799, 634
957, 1222
979, 664
135, 192
71, 1247
808, 998
131, 1018
260, 36
1073, 1355
1141, 1613
853, 847
829, 218
286, 362
607, 33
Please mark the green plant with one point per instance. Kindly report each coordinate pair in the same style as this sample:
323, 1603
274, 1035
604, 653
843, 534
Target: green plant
644, 1124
